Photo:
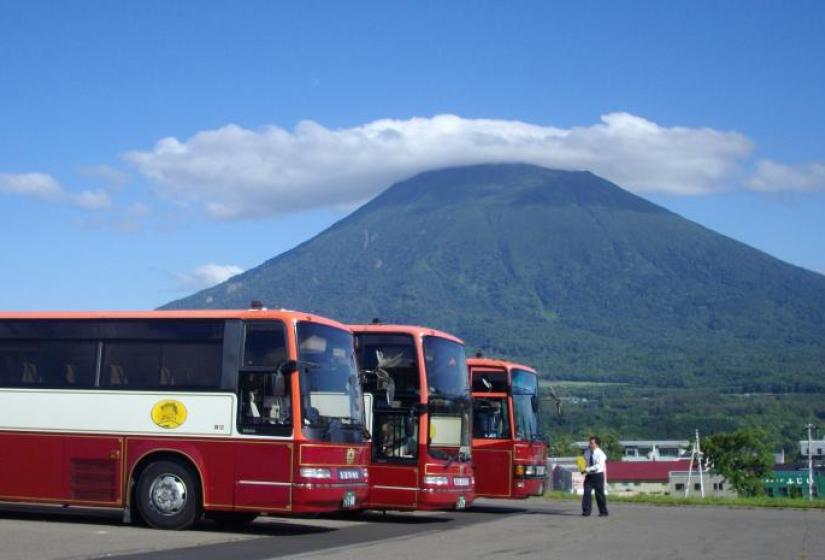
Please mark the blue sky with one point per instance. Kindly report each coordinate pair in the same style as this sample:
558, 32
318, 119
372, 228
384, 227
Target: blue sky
147, 149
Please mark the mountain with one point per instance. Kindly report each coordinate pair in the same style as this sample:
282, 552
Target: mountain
564, 270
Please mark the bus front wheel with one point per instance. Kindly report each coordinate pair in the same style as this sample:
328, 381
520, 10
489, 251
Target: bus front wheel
168, 495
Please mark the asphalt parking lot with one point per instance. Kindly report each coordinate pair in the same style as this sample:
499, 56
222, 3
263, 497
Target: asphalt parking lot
491, 529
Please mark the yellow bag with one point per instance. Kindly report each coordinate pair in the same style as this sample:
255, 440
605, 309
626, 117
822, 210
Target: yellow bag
581, 463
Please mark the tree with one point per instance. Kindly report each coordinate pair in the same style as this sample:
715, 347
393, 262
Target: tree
611, 446
743, 457
562, 445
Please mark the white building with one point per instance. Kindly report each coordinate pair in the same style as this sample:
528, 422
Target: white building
817, 446
650, 450
715, 484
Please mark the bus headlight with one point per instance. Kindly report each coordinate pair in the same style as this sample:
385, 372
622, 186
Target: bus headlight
436, 480
315, 472
530, 470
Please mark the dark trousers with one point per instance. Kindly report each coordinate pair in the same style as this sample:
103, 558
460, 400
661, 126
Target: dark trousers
594, 481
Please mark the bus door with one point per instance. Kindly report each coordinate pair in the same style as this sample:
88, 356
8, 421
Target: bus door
389, 367
492, 434
263, 476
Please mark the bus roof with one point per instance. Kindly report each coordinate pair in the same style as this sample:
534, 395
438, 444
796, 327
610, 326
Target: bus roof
404, 329
245, 314
493, 363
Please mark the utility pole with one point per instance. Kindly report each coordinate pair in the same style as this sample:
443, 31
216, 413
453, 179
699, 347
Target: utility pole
699, 455
810, 427
696, 455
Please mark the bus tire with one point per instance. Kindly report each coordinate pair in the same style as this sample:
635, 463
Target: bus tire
168, 495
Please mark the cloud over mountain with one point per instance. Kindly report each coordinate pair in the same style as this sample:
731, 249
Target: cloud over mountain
234, 172
205, 276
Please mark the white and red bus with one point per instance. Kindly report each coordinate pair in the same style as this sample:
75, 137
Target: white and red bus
509, 452
171, 414
418, 408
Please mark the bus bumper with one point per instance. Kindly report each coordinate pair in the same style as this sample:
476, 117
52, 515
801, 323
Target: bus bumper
526, 487
320, 498
444, 499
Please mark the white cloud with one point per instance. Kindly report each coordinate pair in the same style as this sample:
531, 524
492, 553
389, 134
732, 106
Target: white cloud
107, 173
138, 210
234, 172
775, 176
206, 276
37, 185
43, 186
91, 200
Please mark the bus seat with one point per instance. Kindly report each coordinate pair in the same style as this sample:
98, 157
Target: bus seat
70, 374
253, 408
117, 375
30, 373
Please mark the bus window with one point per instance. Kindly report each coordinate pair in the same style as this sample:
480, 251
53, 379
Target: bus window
264, 345
490, 381
525, 410
332, 404
396, 436
263, 390
490, 419
47, 363
391, 366
164, 365
262, 408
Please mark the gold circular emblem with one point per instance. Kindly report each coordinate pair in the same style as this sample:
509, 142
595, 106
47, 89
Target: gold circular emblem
169, 414
350, 455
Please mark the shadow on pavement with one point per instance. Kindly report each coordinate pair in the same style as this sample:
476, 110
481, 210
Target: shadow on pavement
498, 510
113, 518
62, 515
264, 527
399, 517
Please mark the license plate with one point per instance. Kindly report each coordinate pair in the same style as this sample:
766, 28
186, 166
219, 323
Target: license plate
461, 503
349, 500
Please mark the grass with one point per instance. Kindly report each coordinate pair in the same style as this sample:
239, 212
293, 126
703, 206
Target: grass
658, 500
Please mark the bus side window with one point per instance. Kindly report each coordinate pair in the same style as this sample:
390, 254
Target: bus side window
261, 410
395, 437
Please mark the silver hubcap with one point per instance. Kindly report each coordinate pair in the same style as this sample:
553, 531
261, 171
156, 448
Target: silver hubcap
167, 494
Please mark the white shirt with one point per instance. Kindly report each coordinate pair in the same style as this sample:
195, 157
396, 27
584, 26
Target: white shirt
599, 460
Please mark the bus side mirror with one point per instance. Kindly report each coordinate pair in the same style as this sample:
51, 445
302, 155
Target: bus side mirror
534, 401
419, 408
288, 366
279, 382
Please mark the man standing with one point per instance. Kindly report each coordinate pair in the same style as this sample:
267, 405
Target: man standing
594, 477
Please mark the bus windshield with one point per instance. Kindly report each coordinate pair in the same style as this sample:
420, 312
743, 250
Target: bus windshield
446, 368
525, 404
448, 395
331, 399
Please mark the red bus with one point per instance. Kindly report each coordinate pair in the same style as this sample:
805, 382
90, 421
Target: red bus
418, 407
171, 414
509, 451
